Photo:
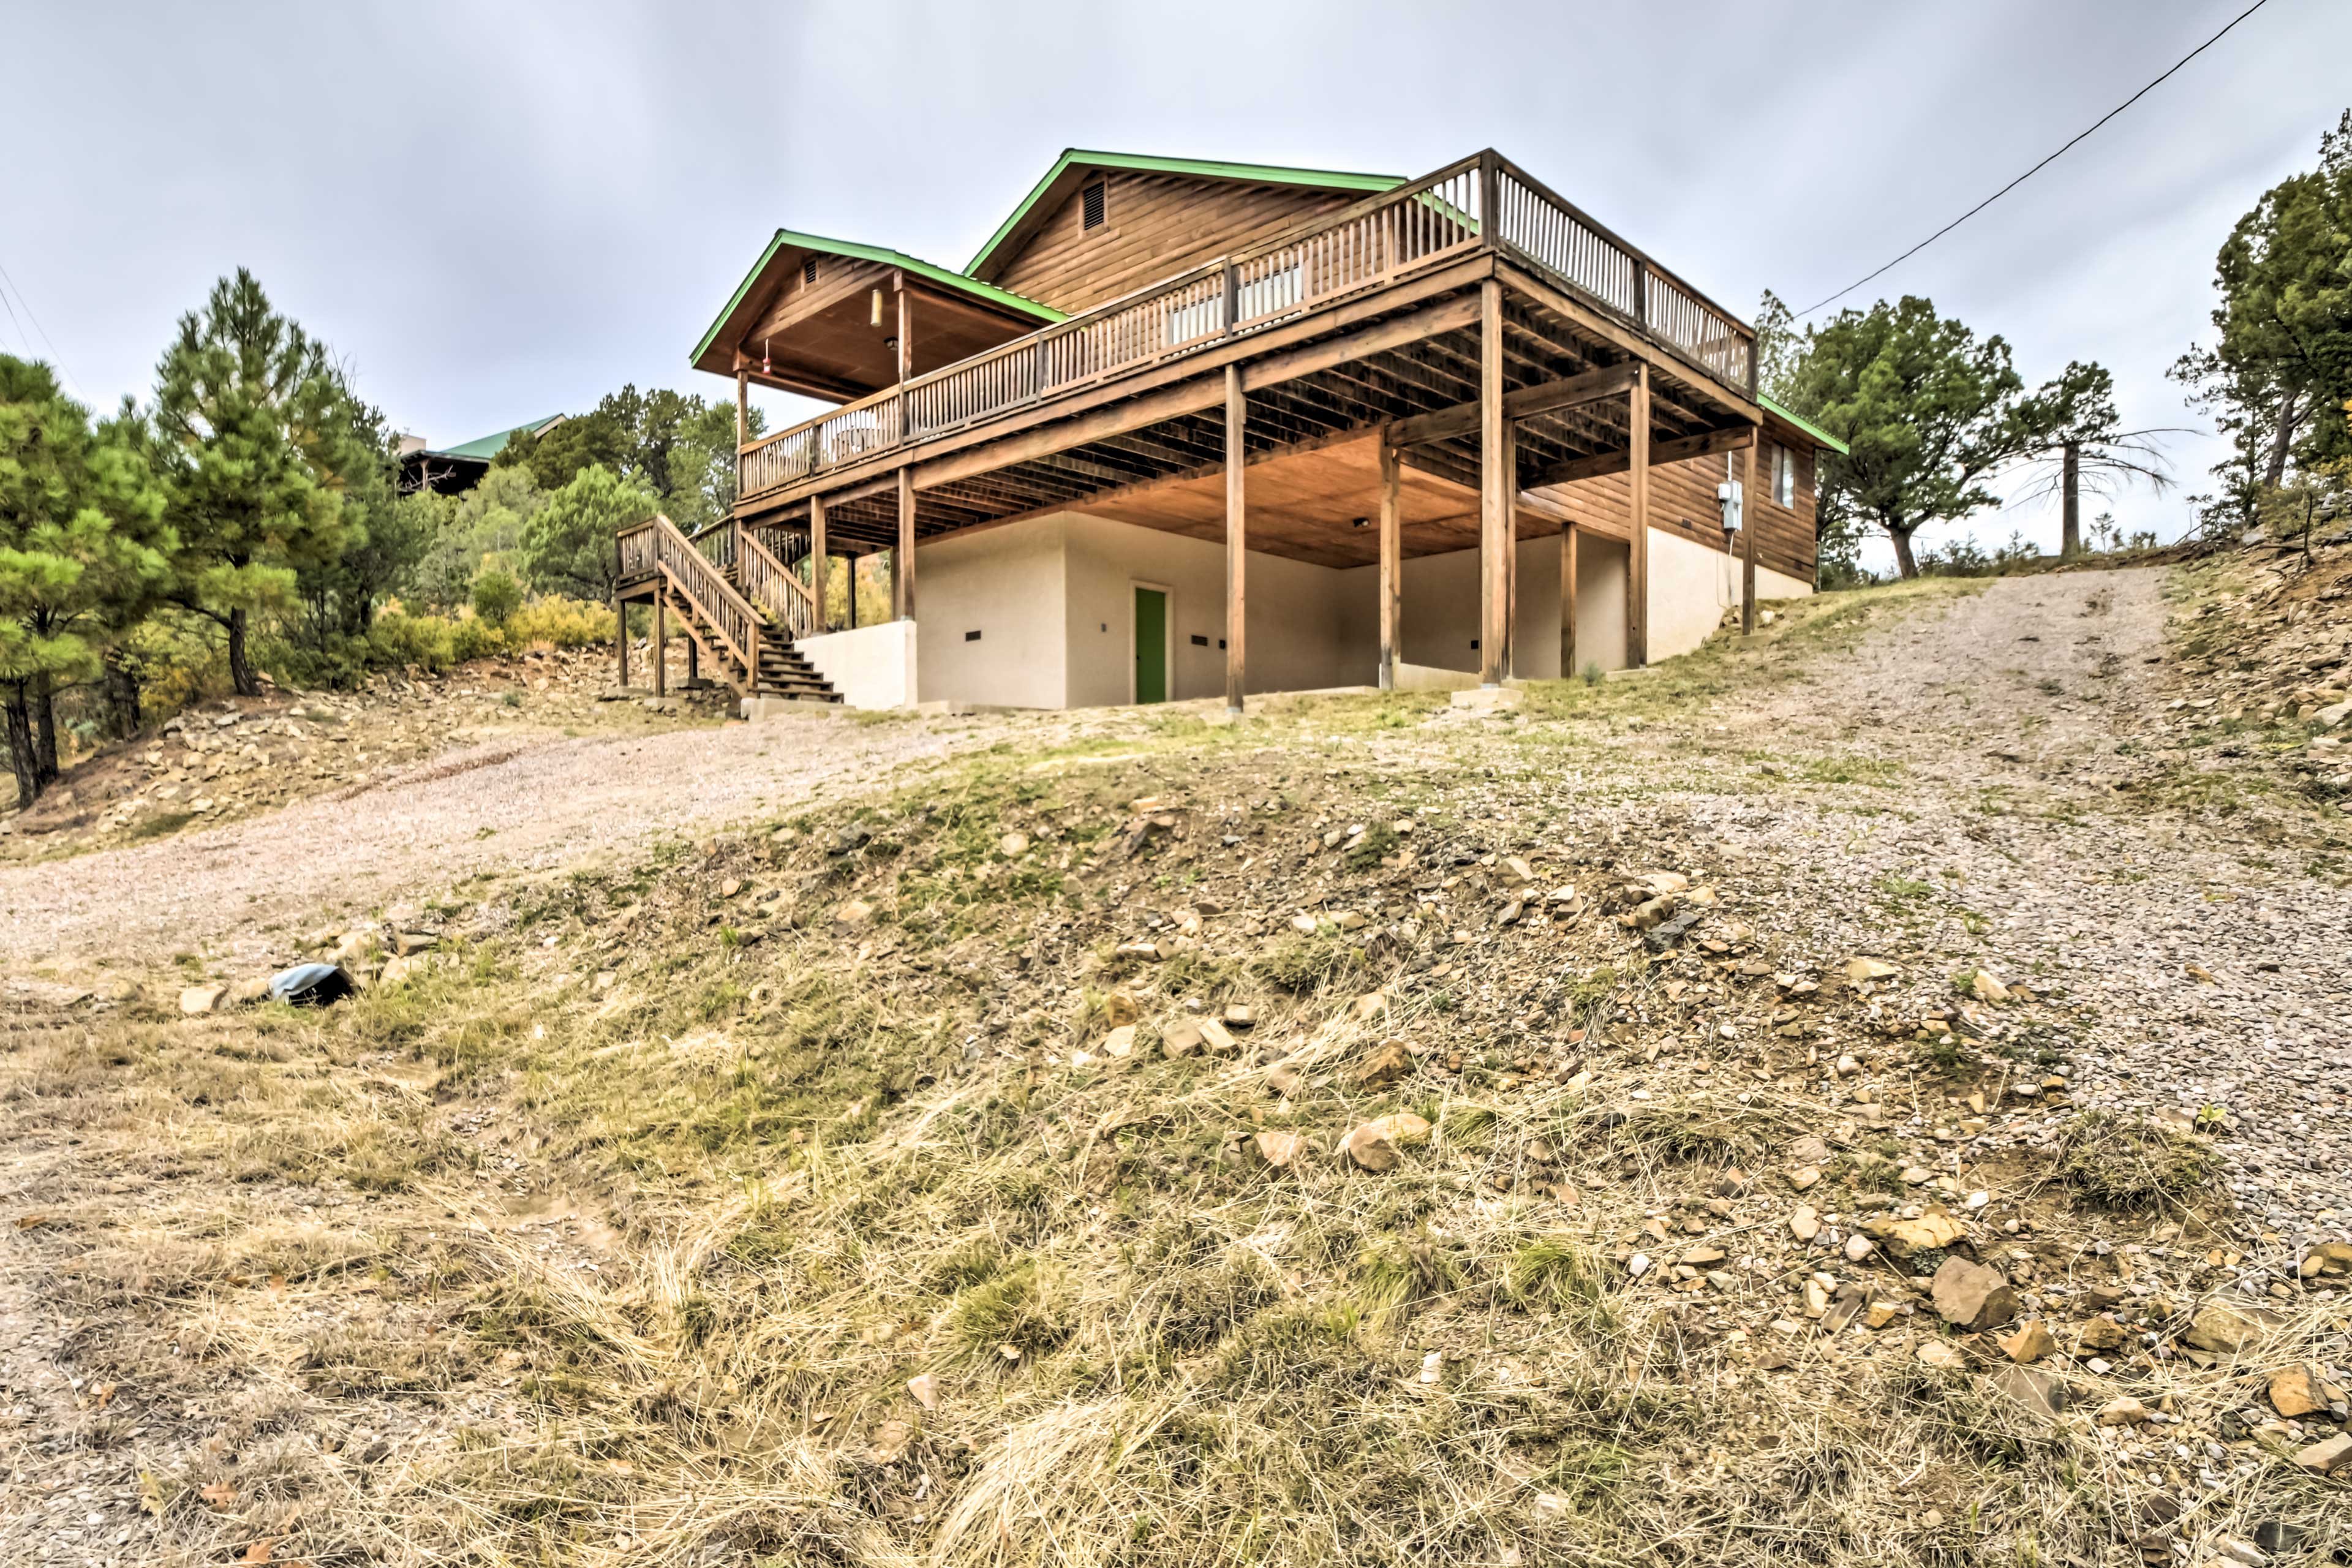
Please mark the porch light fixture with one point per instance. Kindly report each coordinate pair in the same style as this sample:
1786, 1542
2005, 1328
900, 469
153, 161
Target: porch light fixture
1364, 523
765, 367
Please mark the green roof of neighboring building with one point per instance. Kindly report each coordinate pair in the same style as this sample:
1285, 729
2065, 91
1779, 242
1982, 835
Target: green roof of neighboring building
482, 449
1807, 425
887, 258
1202, 168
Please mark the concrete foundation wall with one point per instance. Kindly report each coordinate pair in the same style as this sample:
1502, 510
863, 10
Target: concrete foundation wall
872, 667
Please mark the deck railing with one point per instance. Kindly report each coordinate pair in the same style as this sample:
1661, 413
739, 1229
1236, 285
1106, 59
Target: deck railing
657, 546
1422, 224
772, 585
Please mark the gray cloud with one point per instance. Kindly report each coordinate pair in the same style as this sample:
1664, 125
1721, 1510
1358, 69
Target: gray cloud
493, 212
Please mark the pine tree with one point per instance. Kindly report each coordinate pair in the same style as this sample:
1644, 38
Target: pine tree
250, 412
81, 538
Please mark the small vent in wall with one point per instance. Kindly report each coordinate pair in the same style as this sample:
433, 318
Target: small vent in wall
1091, 201
1199, 641
972, 636
808, 271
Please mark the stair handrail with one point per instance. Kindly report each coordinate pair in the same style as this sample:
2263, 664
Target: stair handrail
771, 586
707, 593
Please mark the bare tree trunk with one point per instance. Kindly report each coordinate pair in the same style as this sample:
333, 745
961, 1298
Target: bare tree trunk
1903, 561
240, 662
45, 729
23, 756
2282, 437
119, 683
2071, 507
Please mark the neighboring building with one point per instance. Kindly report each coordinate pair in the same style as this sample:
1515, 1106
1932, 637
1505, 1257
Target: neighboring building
460, 468
1437, 432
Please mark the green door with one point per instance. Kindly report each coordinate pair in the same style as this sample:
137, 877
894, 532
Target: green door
1150, 645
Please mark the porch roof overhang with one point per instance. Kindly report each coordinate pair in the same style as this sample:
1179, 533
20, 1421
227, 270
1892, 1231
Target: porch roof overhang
1781, 423
972, 316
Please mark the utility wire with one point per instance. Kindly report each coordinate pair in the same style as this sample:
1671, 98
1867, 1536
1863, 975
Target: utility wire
2037, 168
54, 358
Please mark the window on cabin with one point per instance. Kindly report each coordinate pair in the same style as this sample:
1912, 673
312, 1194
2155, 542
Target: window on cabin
1091, 204
1784, 477
808, 271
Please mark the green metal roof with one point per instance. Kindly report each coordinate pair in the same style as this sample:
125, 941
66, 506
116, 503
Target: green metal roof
887, 258
482, 449
1807, 425
1202, 168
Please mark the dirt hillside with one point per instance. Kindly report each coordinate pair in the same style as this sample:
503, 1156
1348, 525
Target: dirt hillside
1873, 1094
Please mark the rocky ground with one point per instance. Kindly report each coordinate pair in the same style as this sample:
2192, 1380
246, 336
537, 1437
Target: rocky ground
1873, 1094
226, 760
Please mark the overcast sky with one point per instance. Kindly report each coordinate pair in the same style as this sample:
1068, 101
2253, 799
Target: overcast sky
494, 212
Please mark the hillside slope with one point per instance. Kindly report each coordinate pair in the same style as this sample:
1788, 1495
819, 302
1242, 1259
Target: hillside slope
1835, 1099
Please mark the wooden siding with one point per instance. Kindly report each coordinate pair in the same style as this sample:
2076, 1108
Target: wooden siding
1683, 502
1154, 227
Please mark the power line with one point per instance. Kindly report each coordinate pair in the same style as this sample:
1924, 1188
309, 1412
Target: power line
2037, 168
54, 358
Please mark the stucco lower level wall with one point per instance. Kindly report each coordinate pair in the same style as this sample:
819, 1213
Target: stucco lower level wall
1438, 622
1295, 614
1054, 601
1691, 587
1004, 584
872, 667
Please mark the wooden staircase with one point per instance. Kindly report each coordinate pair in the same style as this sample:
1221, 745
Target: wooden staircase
743, 608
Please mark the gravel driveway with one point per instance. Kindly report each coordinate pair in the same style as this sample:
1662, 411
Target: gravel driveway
506, 807
2216, 968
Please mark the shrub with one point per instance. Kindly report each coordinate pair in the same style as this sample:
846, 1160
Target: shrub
496, 594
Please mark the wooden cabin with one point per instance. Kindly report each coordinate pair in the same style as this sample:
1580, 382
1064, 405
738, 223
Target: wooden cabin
1183, 429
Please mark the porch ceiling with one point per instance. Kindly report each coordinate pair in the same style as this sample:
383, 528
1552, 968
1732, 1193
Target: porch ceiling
1305, 506
831, 347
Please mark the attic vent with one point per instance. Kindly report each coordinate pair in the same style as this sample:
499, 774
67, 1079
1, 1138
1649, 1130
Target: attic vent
1092, 200
808, 271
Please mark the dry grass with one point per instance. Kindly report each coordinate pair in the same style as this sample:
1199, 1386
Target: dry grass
500, 1268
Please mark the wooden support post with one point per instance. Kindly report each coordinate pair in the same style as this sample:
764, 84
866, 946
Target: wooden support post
902, 561
743, 403
905, 332
1511, 549
1637, 506
1495, 485
849, 576
1566, 601
1392, 566
661, 643
621, 642
693, 661
1236, 541
1751, 509
820, 569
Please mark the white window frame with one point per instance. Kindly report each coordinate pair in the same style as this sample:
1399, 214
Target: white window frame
1784, 475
